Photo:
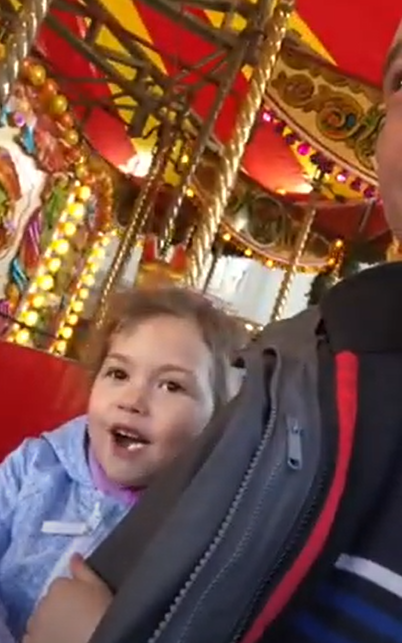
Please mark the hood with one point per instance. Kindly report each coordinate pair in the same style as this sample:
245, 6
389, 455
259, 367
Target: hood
69, 445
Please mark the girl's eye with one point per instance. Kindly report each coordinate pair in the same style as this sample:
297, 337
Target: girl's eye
172, 387
116, 373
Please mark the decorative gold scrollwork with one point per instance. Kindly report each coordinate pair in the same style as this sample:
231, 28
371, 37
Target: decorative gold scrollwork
339, 116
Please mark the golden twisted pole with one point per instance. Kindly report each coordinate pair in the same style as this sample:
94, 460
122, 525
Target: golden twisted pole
301, 241
136, 223
233, 67
234, 149
20, 42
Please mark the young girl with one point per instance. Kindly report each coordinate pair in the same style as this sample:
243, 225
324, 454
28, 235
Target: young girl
162, 367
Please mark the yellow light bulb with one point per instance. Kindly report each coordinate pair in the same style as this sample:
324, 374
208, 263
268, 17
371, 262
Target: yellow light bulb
23, 336
83, 293
76, 210
88, 280
61, 246
61, 346
248, 252
46, 282
31, 317
99, 253
38, 301
269, 263
66, 332
72, 319
69, 229
77, 306
84, 193
226, 236
54, 264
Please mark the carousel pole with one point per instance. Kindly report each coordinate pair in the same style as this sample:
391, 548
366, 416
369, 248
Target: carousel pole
137, 220
301, 242
203, 138
20, 42
234, 149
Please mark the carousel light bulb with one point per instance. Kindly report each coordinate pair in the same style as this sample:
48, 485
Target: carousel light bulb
38, 301
76, 210
54, 264
23, 336
77, 306
88, 280
46, 282
84, 193
248, 252
83, 293
69, 229
61, 346
31, 317
61, 246
99, 253
72, 319
66, 332
226, 236
338, 243
269, 263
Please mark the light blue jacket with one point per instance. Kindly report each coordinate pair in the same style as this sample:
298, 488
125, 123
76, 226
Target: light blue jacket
49, 509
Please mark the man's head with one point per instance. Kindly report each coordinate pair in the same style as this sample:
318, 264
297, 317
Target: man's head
389, 146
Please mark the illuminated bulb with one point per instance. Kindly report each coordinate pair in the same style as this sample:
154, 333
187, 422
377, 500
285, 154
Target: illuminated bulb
226, 236
331, 262
61, 246
77, 306
54, 264
338, 243
31, 317
190, 193
61, 346
46, 282
269, 263
83, 293
76, 210
23, 336
185, 159
248, 252
38, 301
69, 229
66, 332
104, 241
72, 319
84, 193
88, 280
249, 326
99, 253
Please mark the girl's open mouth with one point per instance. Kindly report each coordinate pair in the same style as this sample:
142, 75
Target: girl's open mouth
127, 438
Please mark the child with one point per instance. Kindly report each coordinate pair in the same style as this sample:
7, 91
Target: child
162, 367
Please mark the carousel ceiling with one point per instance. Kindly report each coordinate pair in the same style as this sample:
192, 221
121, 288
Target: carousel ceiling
114, 57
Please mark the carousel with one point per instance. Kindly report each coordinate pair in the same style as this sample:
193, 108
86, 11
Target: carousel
161, 140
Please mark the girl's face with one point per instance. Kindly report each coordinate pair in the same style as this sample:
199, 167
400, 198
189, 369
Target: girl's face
152, 395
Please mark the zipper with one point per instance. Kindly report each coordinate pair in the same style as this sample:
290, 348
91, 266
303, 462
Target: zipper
294, 446
312, 504
225, 524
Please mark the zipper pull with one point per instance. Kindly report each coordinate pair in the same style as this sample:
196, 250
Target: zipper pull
295, 453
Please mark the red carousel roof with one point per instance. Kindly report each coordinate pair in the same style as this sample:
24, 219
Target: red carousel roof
353, 36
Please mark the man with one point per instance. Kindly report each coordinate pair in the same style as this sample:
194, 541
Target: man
359, 598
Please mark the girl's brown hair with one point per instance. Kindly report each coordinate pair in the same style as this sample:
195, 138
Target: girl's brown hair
222, 333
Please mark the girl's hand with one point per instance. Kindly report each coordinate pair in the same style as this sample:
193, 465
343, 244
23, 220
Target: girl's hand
72, 608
